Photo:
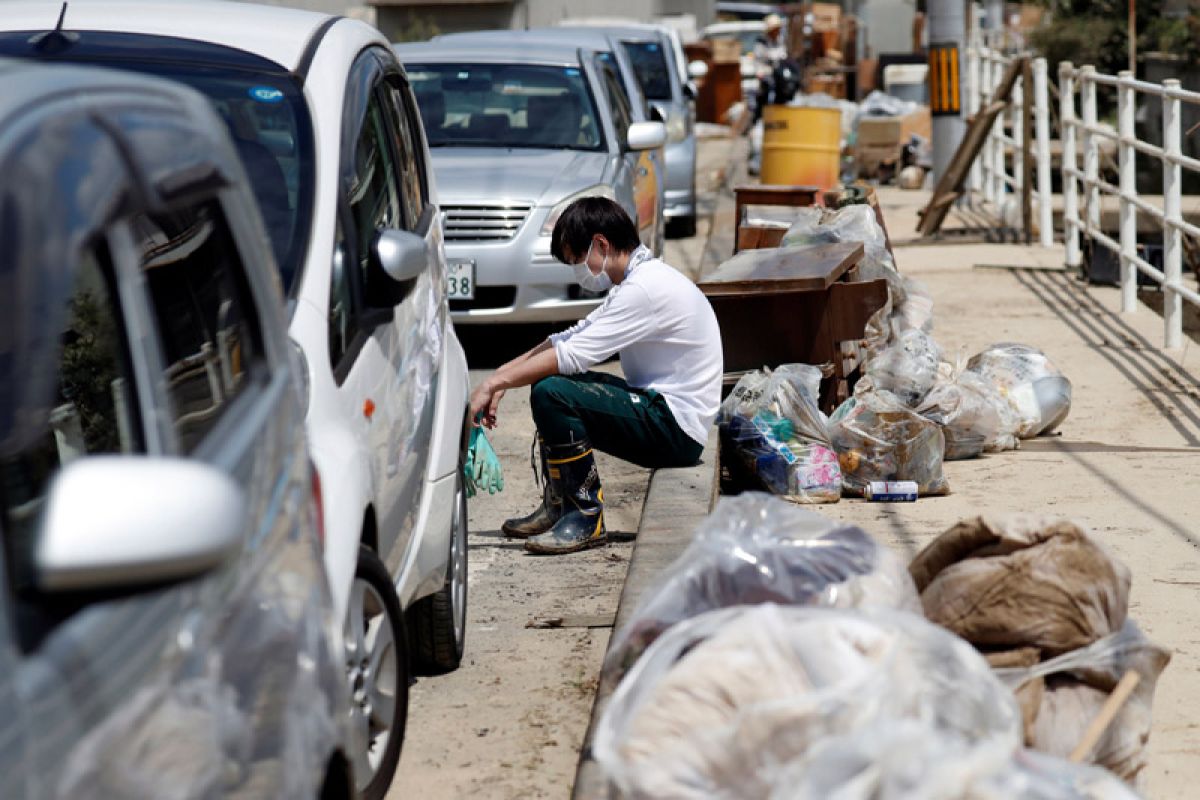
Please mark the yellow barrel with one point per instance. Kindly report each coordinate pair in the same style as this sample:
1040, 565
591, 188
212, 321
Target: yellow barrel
801, 146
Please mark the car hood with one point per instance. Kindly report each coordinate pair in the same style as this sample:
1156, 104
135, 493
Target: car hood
471, 174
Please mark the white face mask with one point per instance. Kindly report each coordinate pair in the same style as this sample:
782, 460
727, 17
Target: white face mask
590, 280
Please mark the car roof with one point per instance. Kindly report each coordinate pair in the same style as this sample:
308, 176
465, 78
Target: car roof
278, 34
484, 47
625, 31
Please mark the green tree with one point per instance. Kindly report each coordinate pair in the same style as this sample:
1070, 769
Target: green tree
1097, 33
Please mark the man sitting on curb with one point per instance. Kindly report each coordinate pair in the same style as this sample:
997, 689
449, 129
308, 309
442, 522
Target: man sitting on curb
659, 416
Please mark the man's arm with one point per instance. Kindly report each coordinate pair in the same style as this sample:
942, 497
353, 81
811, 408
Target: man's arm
538, 363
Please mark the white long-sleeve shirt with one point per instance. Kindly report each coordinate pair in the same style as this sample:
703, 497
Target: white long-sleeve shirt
667, 335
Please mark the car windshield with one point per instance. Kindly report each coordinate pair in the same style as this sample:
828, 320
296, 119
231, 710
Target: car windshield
650, 65
262, 105
505, 105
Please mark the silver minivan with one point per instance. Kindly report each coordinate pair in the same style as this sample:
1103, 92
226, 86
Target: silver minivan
518, 128
166, 627
651, 52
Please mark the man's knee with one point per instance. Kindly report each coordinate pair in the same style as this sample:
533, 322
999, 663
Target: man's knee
548, 392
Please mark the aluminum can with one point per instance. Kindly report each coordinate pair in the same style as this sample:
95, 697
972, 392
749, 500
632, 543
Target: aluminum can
891, 491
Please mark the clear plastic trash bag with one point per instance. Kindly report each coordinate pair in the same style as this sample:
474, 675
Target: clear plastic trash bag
1076, 685
908, 368
772, 422
755, 548
722, 705
1039, 391
878, 438
974, 416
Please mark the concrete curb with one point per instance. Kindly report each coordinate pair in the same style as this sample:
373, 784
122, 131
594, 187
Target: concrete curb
675, 503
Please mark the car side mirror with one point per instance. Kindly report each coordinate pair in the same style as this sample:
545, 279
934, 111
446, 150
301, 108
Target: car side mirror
697, 70
397, 259
646, 136
128, 522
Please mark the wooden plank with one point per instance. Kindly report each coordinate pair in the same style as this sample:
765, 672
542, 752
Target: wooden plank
811, 267
768, 195
756, 237
934, 214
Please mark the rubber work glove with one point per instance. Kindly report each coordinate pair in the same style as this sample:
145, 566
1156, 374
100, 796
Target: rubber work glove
481, 472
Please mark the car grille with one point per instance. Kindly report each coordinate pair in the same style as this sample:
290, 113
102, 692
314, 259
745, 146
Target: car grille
491, 223
487, 297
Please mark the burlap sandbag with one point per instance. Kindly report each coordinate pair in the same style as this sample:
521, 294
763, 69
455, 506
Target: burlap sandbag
1022, 582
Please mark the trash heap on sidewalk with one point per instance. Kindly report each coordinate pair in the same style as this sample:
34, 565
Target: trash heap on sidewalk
785, 654
914, 408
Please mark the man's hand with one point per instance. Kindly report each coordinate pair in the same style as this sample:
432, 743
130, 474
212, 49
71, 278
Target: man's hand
485, 400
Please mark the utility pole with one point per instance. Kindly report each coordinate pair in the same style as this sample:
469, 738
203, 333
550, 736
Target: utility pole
947, 39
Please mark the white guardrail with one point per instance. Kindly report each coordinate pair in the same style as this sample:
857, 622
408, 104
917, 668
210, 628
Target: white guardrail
1086, 132
992, 180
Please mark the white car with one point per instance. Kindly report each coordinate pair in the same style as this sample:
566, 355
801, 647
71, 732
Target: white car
330, 136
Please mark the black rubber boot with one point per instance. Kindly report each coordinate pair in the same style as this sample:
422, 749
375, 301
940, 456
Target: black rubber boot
581, 523
546, 514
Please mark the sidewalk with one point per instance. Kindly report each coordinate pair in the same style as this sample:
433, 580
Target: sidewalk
1125, 463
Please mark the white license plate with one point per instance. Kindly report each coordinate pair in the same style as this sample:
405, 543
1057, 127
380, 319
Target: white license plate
460, 280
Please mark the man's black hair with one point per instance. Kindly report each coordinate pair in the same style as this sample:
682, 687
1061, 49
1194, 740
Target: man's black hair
586, 217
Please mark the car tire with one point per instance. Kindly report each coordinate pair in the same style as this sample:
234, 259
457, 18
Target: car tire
377, 670
439, 621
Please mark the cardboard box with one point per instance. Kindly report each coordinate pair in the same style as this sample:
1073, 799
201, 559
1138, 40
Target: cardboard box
894, 130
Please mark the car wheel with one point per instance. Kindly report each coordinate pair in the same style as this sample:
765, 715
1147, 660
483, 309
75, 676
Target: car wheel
439, 621
377, 671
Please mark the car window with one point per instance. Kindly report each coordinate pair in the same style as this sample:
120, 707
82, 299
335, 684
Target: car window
408, 149
617, 100
505, 105
204, 312
95, 408
650, 66
374, 191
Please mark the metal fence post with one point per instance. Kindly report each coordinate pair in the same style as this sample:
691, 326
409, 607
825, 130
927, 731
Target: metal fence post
1041, 118
1172, 235
1070, 185
1127, 160
1091, 151
1019, 91
973, 89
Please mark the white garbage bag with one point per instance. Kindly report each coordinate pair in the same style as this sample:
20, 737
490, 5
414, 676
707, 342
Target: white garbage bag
1039, 391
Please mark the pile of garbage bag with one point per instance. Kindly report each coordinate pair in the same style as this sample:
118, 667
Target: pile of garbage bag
773, 425
974, 416
755, 549
770, 701
1039, 391
1049, 605
879, 438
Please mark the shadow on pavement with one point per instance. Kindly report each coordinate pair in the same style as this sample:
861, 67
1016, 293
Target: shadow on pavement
489, 346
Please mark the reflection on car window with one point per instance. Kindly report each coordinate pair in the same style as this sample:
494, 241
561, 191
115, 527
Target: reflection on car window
94, 410
210, 337
650, 66
408, 148
505, 105
341, 301
374, 194
618, 101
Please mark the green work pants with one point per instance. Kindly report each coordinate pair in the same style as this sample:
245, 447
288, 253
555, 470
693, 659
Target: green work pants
635, 425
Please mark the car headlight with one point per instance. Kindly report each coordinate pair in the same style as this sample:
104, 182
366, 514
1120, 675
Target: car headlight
676, 128
599, 190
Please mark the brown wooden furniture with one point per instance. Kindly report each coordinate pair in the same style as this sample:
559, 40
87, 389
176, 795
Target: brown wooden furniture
749, 236
788, 305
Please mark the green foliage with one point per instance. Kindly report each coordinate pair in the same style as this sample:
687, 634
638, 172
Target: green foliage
1097, 32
